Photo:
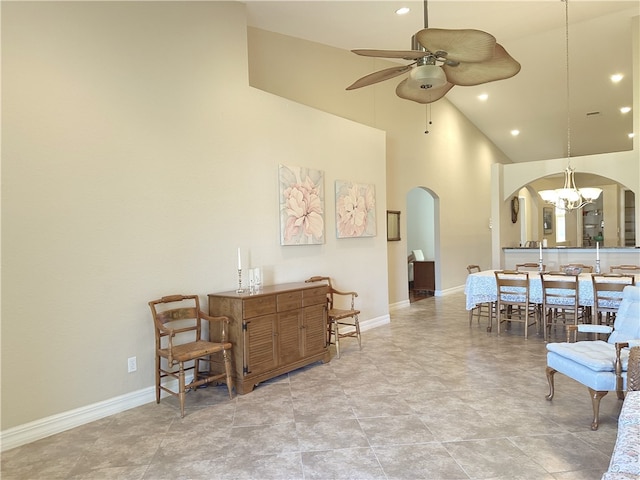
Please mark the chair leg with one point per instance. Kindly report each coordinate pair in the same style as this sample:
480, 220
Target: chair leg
181, 391
336, 336
158, 360
596, 396
357, 323
227, 369
550, 373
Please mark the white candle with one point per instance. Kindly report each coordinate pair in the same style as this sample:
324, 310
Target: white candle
239, 261
597, 250
540, 251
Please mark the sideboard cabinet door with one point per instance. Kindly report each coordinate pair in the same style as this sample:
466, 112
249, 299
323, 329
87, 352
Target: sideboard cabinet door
260, 352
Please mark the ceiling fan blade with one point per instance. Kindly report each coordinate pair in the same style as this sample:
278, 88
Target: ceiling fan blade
501, 66
406, 54
466, 45
379, 76
421, 95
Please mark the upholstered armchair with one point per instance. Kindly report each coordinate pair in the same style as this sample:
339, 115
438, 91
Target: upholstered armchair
599, 365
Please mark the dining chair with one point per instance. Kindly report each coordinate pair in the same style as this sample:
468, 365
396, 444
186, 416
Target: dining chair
482, 310
340, 315
529, 267
560, 295
179, 340
585, 268
607, 295
624, 269
512, 305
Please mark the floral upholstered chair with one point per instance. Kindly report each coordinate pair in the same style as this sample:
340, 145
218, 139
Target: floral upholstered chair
598, 364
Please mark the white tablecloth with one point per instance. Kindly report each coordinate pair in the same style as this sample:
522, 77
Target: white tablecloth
481, 288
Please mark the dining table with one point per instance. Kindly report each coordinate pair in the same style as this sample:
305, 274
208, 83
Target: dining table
480, 287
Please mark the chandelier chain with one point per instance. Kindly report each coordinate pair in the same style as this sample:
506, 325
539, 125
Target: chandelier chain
566, 39
569, 197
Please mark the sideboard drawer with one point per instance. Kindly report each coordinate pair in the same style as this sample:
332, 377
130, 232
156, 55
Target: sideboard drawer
289, 301
255, 307
314, 296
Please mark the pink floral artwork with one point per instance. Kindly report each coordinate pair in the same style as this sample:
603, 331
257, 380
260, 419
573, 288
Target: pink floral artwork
301, 206
355, 209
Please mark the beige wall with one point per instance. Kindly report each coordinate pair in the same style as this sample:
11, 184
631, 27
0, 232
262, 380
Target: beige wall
135, 160
453, 160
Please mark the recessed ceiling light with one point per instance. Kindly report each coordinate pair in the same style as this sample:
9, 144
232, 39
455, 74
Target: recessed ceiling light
403, 11
617, 77
515, 132
625, 109
483, 96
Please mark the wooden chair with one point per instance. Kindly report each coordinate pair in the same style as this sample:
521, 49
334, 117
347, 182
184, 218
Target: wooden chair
600, 366
512, 304
179, 340
340, 317
483, 310
607, 295
624, 269
585, 268
529, 267
559, 300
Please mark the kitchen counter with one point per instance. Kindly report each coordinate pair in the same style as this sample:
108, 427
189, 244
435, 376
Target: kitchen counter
553, 257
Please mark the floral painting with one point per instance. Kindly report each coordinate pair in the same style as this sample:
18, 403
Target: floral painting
301, 206
355, 209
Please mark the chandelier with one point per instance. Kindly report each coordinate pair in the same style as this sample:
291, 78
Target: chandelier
569, 197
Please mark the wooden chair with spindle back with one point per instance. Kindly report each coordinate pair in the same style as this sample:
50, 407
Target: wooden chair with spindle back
179, 341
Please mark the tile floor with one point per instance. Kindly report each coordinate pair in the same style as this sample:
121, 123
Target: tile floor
428, 397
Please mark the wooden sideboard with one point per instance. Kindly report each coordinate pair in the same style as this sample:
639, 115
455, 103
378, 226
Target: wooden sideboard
424, 276
276, 330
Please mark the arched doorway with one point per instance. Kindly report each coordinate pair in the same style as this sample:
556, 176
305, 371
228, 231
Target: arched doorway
423, 234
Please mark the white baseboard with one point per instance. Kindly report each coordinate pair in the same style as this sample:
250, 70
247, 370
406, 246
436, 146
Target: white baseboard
45, 427
449, 291
375, 322
399, 305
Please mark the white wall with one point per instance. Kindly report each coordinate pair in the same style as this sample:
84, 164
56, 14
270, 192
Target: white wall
135, 160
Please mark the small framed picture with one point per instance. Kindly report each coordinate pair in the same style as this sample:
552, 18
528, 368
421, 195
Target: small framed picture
393, 225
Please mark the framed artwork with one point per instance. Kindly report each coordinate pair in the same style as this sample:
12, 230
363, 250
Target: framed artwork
301, 206
355, 209
547, 220
393, 225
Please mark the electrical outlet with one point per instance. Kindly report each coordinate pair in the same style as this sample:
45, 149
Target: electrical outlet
131, 364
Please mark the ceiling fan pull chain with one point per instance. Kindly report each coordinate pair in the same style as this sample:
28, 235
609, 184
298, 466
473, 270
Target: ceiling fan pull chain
428, 117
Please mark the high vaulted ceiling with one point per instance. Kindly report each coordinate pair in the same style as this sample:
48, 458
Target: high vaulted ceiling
533, 32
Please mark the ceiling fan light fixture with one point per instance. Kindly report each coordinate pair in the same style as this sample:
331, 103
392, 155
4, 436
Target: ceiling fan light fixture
427, 76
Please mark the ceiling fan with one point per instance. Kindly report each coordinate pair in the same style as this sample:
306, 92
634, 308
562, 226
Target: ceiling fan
441, 59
